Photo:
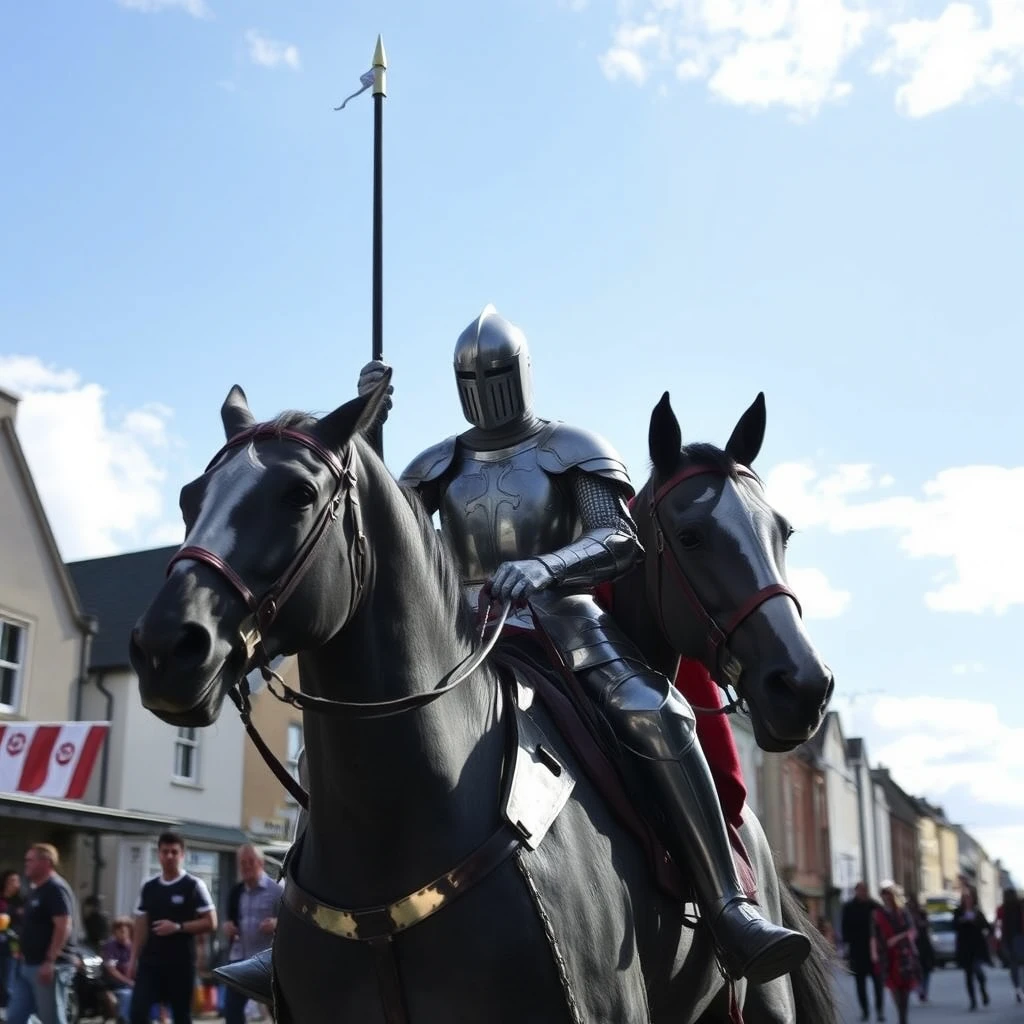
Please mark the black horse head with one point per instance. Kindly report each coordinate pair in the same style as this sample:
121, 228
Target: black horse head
271, 499
716, 578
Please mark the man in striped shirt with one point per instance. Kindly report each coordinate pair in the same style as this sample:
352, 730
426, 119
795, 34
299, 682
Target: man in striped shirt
252, 919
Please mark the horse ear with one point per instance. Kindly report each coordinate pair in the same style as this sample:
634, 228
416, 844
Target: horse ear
235, 413
664, 438
748, 435
339, 427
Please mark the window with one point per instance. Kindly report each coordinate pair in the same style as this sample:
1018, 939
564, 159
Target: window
186, 755
294, 746
12, 663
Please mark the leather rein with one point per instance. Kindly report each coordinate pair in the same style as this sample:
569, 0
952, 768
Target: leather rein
343, 505
717, 636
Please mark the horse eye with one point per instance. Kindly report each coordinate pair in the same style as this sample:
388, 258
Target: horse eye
689, 539
301, 495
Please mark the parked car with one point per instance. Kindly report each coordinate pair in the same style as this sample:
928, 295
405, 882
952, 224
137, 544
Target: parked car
940, 925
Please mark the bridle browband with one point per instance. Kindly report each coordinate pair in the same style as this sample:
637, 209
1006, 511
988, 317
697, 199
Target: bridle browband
266, 608
721, 659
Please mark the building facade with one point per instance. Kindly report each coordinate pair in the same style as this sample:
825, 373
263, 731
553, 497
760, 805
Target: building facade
903, 832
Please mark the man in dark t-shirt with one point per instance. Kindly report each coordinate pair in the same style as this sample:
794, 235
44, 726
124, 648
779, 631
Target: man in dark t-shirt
856, 933
42, 976
173, 908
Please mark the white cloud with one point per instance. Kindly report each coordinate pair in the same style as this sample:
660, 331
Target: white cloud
794, 53
935, 744
967, 516
1005, 843
954, 57
758, 53
818, 598
100, 475
271, 53
197, 8
968, 668
630, 54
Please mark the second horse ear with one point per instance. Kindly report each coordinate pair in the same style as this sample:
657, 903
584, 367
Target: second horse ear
744, 444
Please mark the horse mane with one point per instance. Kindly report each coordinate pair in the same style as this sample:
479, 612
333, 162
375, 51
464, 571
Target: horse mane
444, 567
292, 419
711, 455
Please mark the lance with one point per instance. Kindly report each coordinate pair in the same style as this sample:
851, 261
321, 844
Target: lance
380, 85
376, 79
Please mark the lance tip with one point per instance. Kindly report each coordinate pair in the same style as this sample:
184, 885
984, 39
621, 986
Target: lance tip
380, 59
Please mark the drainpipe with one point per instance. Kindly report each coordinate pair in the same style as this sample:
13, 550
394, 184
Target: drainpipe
90, 627
864, 851
105, 752
98, 863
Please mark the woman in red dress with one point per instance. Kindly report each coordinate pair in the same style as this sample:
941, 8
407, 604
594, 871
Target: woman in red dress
894, 947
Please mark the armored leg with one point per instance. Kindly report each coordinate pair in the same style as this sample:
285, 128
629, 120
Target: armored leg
656, 725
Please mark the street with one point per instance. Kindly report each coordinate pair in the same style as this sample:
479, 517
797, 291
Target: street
947, 1001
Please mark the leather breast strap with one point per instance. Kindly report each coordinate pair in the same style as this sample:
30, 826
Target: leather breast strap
377, 926
538, 785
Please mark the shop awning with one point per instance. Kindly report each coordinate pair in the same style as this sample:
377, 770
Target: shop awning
110, 820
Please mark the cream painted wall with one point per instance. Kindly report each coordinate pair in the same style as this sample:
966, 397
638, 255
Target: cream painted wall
141, 761
31, 595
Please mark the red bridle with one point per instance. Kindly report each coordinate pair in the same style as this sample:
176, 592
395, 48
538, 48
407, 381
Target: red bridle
717, 635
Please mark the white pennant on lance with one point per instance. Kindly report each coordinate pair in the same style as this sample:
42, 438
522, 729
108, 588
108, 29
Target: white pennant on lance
366, 80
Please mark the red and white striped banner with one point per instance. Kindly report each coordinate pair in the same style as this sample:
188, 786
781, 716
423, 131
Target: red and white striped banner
51, 759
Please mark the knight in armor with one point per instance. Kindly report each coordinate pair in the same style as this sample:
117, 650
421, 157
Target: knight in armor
537, 510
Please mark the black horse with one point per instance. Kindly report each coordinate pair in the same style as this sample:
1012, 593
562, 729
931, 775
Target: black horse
405, 778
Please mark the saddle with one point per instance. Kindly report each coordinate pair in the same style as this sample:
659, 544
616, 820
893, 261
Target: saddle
529, 658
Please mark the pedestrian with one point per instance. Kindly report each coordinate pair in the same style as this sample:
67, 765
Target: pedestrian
254, 903
894, 948
972, 950
117, 955
174, 907
856, 927
925, 949
1011, 916
10, 921
45, 969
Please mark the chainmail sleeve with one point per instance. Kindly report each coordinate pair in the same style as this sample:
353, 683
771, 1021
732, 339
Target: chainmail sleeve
608, 546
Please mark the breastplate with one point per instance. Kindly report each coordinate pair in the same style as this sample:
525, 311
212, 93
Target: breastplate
500, 506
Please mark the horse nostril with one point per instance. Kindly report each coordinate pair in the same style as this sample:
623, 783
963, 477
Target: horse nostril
810, 693
192, 646
782, 684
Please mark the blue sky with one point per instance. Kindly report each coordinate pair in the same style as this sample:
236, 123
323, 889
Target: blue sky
814, 198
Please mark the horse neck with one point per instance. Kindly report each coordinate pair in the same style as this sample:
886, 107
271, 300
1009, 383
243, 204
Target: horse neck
394, 802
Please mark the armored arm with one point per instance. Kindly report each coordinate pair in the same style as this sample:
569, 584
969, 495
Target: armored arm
608, 546
426, 472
